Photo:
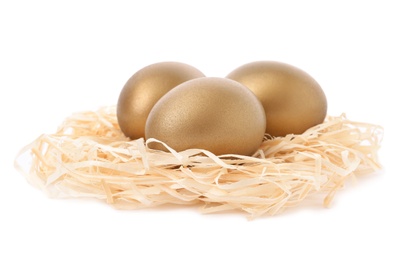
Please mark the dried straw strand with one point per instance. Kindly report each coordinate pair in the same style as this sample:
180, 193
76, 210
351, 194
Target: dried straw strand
90, 157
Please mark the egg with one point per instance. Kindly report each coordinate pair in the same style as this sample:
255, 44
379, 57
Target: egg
293, 101
144, 89
216, 114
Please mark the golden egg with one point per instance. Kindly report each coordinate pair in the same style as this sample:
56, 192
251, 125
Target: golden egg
292, 99
144, 89
216, 114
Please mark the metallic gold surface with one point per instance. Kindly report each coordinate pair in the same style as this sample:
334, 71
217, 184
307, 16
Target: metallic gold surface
216, 114
144, 89
292, 99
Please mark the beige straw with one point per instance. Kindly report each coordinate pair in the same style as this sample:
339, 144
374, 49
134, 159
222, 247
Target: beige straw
90, 157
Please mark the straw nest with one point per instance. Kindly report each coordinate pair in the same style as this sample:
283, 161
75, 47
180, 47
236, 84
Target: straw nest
90, 157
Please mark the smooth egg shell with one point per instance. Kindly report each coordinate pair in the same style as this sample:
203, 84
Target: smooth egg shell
144, 89
292, 99
216, 114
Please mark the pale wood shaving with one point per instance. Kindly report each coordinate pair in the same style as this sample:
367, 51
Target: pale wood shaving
90, 157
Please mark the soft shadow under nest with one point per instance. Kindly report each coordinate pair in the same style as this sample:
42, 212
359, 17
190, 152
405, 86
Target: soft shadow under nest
90, 157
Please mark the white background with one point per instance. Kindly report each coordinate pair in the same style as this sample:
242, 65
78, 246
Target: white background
58, 58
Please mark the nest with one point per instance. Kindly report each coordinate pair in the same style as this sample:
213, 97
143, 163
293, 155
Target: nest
90, 157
